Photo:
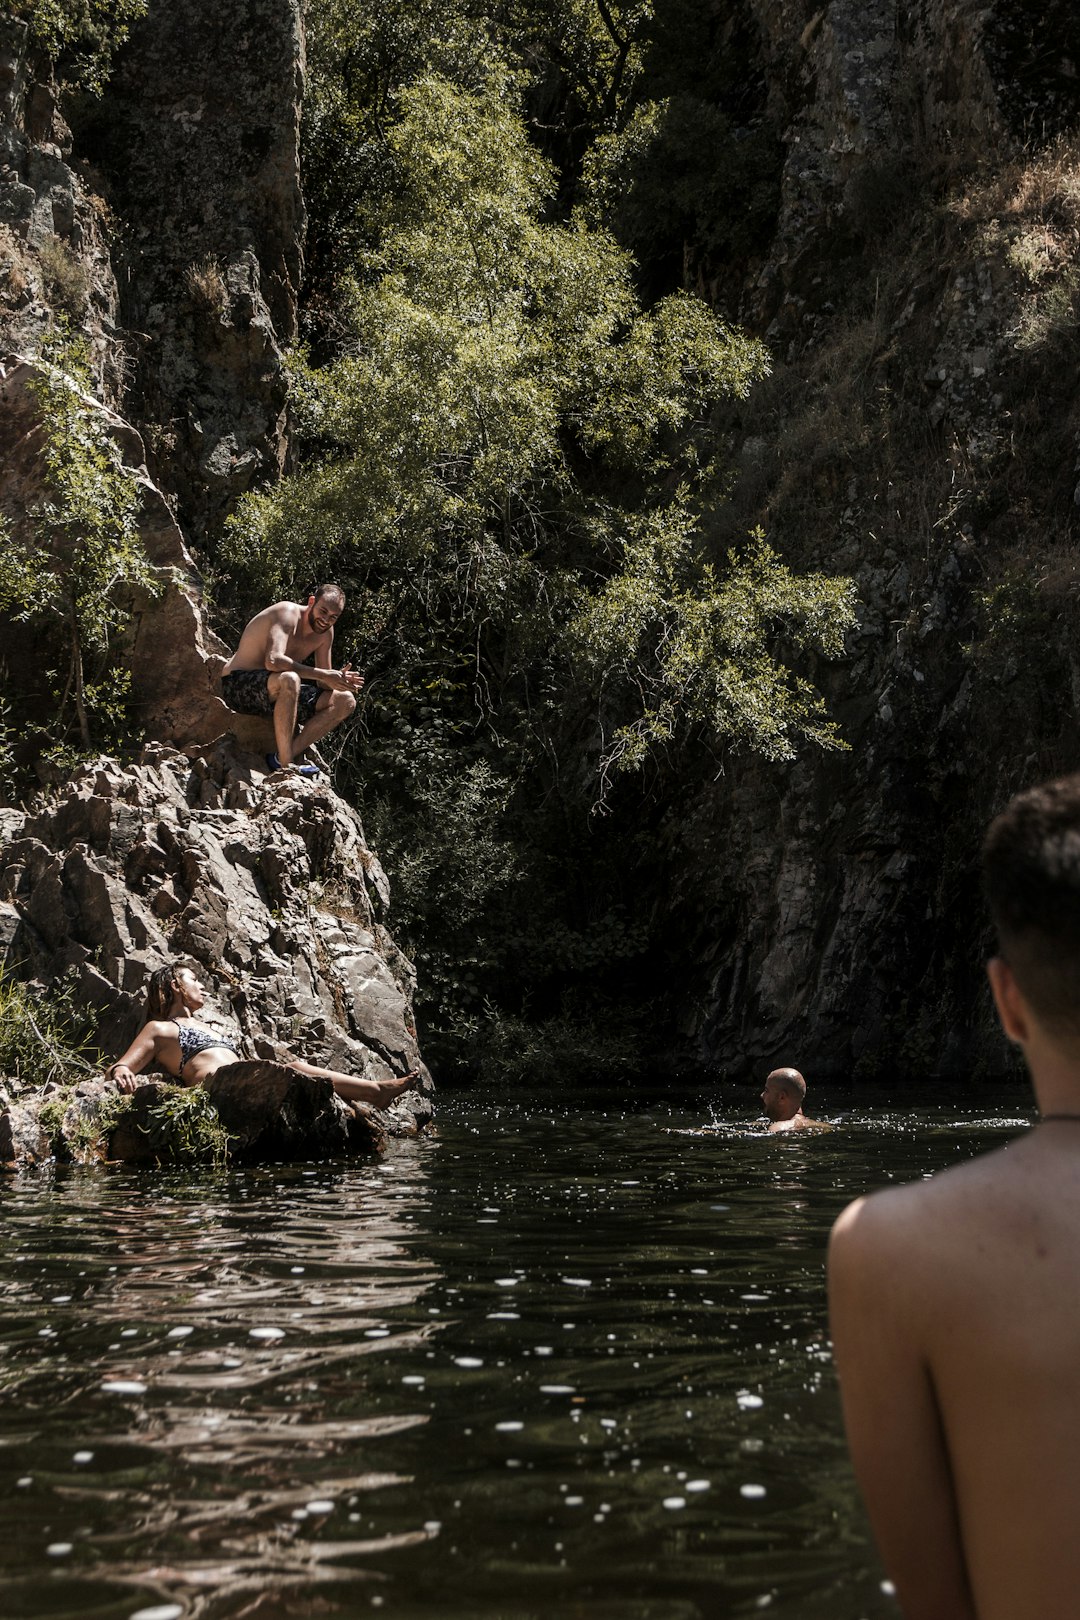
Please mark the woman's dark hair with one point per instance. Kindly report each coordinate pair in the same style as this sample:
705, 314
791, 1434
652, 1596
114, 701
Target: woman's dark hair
161, 992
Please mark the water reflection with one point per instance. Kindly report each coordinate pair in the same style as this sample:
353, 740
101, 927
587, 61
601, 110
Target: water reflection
188, 1357
553, 1363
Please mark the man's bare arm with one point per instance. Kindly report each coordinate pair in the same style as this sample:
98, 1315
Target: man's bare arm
279, 661
891, 1413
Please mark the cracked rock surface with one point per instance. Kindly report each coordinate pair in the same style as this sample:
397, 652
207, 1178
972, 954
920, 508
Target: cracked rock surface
266, 886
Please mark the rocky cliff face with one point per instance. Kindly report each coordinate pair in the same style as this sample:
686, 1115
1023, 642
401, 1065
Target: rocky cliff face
168, 231
920, 432
55, 234
197, 145
266, 885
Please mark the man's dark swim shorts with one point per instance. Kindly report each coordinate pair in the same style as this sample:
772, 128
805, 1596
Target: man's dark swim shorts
245, 693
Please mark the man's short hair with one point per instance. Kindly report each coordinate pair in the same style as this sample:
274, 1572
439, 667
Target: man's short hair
791, 1081
334, 592
1031, 867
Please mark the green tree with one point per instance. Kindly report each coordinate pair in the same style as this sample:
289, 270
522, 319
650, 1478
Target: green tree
76, 577
596, 47
80, 36
358, 58
511, 466
512, 439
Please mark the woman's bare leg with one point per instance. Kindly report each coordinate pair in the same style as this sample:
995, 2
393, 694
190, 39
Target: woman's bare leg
377, 1092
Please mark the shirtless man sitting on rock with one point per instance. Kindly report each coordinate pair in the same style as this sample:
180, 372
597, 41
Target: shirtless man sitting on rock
782, 1100
269, 674
955, 1302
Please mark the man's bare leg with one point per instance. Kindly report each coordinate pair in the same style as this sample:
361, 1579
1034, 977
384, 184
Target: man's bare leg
331, 709
353, 1089
285, 691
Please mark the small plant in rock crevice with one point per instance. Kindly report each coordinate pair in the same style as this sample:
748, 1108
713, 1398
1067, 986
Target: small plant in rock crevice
192, 1124
86, 1132
206, 285
66, 279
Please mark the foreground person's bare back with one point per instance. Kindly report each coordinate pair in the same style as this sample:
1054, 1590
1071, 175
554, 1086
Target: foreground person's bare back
956, 1320
955, 1302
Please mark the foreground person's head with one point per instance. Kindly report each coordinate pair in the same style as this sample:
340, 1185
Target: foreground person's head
1031, 865
783, 1095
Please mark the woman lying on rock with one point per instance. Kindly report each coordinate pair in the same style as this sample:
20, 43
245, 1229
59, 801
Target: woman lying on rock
191, 1052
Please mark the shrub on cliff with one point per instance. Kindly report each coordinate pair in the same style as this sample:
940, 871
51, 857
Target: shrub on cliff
71, 580
42, 1038
80, 37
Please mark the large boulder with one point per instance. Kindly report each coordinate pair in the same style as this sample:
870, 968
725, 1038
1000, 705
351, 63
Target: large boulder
266, 885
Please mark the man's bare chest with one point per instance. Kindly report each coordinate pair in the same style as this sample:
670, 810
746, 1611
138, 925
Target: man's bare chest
301, 647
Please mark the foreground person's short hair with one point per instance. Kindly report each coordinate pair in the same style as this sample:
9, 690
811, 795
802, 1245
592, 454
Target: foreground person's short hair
1031, 866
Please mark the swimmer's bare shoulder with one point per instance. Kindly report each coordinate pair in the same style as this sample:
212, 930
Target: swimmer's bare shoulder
785, 1127
955, 1307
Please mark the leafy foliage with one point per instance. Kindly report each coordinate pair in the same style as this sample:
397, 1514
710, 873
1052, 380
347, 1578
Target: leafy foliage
78, 1126
359, 57
80, 36
511, 465
42, 1038
597, 48
695, 643
191, 1125
87, 554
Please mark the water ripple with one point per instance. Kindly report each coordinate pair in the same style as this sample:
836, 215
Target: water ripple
555, 1361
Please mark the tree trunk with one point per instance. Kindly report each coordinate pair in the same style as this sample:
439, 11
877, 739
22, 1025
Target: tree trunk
77, 671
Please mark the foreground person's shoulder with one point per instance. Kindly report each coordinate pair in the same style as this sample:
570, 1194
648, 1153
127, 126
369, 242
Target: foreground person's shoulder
895, 1220
882, 1251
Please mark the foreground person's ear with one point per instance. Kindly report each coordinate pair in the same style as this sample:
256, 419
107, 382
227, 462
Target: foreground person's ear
1012, 1009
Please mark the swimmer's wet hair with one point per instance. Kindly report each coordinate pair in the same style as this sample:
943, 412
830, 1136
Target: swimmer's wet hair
335, 593
1031, 868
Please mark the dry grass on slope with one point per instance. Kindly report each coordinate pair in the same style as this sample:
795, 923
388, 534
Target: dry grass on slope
939, 398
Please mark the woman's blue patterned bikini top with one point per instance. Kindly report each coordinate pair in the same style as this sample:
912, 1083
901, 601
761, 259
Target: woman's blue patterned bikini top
193, 1038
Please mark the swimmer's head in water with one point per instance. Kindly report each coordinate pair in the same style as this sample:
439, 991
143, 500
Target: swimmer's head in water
783, 1094
1031, 866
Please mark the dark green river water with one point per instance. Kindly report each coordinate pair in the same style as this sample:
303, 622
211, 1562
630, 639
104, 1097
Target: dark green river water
561, 1361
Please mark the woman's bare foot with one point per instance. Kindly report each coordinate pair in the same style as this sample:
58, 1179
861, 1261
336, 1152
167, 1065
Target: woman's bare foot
376, 1092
